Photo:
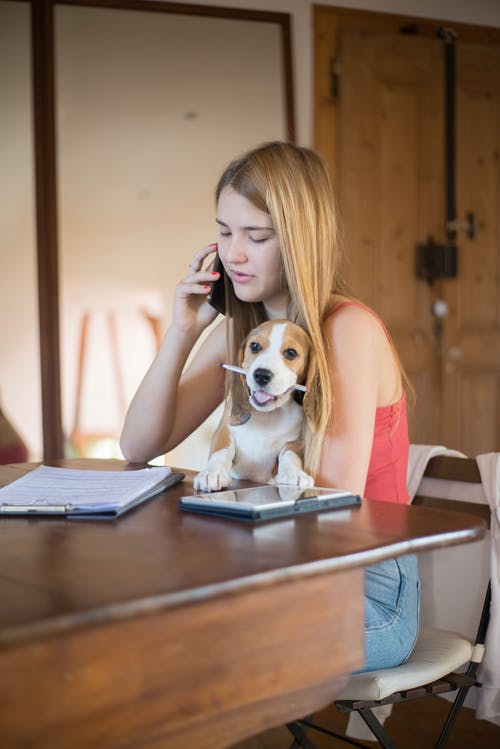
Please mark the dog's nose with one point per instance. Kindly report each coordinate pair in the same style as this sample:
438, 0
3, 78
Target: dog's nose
262, 376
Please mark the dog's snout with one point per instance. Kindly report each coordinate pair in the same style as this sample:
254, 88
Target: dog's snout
262, 376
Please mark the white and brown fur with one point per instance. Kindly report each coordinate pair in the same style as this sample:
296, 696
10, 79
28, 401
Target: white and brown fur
261, 434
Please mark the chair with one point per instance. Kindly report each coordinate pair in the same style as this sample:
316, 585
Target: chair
432, 667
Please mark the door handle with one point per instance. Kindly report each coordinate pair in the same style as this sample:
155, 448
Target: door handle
468, 226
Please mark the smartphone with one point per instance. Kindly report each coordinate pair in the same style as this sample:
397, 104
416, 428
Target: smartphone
217, 296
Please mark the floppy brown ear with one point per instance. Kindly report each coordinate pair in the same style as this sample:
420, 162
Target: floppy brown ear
240, 410
309, 397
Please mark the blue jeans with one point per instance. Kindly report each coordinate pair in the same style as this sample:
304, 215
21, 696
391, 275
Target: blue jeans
392, 599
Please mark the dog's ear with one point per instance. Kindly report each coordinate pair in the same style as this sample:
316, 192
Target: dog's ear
310, 397
240, 411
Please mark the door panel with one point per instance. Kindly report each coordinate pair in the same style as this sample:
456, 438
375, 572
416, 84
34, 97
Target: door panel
391, 196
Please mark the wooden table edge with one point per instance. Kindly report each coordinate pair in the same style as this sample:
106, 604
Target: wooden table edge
150, 605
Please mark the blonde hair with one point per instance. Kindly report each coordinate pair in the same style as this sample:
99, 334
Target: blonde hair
293, 186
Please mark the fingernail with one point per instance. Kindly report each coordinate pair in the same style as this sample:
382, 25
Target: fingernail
214, 273
207, 288
213, 244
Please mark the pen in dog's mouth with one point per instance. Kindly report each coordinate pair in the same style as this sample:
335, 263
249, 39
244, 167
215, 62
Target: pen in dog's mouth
239, 370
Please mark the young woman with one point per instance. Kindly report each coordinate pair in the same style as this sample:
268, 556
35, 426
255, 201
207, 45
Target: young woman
278, 242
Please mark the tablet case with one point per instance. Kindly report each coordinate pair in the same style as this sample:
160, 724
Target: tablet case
314, 499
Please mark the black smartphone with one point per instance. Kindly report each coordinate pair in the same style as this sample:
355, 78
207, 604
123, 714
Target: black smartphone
217, 296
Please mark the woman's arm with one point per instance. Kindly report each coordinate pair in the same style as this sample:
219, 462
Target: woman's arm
364, 376
167, 406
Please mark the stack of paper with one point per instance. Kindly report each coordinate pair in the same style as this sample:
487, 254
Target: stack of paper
66, 491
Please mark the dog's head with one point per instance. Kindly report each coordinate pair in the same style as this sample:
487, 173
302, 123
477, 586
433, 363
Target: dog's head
275, 356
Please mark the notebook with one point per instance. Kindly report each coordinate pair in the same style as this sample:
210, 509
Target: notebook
268, 501
74, 493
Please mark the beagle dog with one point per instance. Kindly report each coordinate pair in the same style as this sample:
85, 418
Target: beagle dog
260, 436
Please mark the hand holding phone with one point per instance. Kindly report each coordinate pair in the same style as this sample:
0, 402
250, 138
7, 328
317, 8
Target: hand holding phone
217, 296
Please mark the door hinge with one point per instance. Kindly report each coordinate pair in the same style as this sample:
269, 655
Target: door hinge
334, 78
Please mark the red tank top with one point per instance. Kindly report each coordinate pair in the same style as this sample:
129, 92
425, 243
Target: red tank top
386, 478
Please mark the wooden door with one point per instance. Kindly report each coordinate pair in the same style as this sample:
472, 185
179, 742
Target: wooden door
391, 183
390, 177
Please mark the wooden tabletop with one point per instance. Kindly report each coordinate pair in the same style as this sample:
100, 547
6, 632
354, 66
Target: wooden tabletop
169, 628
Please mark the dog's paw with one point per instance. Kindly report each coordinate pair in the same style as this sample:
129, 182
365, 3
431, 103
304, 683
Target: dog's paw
290, 470
305, 481
211, 480
294, 476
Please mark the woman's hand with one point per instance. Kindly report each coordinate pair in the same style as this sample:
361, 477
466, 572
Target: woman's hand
192, 312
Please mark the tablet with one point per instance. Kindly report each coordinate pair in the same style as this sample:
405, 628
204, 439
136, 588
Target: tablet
268, 501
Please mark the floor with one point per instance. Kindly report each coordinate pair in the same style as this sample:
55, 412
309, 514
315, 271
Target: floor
412, 725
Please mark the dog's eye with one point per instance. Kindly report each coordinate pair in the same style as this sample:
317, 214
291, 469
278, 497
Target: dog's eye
255, 347
290, 353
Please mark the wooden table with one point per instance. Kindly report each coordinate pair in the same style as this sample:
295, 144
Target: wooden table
168, 629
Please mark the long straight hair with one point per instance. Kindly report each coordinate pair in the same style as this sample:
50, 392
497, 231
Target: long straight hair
293, 186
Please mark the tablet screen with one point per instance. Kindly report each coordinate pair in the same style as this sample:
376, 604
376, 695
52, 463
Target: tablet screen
268, 496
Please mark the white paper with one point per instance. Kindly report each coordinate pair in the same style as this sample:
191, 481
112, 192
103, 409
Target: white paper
83, 491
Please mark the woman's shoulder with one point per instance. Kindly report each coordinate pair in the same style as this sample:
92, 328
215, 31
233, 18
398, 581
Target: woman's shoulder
352, 317
358, 338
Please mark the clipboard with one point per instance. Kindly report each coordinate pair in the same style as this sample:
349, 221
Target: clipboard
268, 501
48, 491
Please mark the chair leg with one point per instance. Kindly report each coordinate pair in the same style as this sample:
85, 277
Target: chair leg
452, 716
373, 724
299, 735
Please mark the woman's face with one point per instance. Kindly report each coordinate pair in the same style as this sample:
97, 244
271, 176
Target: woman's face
250, 252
